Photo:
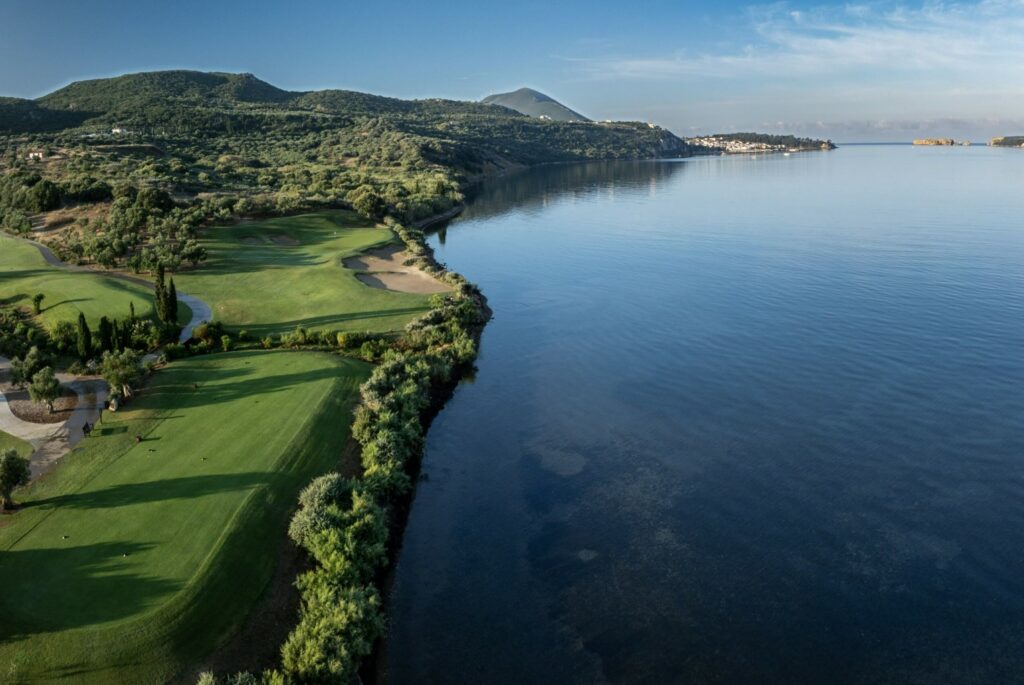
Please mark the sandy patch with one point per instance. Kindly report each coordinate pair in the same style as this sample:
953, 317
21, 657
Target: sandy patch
384, 268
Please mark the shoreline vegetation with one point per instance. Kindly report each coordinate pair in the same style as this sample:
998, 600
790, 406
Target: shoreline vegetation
150, 172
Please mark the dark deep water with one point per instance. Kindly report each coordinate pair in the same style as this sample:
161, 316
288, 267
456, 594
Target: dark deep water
736, 421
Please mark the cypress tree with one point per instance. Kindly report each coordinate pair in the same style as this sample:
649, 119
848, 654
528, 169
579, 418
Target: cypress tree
84, 338
106, 333
115, 337
160, 295
131, 316
172, 303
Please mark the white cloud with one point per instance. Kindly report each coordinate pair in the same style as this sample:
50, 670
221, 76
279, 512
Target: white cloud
878, 70
984, 39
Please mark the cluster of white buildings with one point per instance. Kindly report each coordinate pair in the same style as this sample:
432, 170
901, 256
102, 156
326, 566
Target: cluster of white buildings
730, 146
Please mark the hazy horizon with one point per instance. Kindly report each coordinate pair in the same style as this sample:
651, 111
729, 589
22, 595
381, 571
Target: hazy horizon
868, 72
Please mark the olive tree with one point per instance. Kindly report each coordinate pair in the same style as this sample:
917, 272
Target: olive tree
120, 370
44, 388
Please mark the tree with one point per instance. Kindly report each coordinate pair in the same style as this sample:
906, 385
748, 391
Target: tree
64, 336
23, 369
44, 196
120, 370
106, 333
84, 338
37, 303
160, 294
14, 472
172, 303
115, 336
44, 387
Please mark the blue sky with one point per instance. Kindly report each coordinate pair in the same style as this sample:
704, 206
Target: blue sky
851, 71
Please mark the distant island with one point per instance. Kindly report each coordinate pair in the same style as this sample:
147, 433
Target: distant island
940, 141
1007, 141
754, 143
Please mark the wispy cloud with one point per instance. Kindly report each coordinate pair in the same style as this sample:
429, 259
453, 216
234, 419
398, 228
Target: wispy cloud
983, 39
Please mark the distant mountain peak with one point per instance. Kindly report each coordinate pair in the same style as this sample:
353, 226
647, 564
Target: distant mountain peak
535, 104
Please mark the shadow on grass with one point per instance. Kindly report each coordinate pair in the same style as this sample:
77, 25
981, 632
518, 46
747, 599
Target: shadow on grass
57, 304
320, 322
58, 588
188, 487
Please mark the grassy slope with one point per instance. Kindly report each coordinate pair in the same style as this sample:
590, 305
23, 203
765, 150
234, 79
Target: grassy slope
201, 537
8, 441
272, 288
24, 272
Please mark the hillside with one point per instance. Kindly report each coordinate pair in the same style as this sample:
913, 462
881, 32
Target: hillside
535, 104
124, 170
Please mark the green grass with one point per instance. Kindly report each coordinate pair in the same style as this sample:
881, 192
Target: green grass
170, 541
24, 272
8, 441
253, 283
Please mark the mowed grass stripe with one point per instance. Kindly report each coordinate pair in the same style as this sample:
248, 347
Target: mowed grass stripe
201, 537
270, 276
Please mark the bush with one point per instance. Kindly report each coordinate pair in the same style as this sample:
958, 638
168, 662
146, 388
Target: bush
175, 351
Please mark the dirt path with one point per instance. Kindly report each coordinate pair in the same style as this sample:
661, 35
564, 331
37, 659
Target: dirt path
384, 268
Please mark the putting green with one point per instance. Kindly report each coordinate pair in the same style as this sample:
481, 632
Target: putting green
270, 276
132, 561
24, 272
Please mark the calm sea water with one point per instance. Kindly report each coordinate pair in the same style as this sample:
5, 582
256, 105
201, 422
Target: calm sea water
736, 421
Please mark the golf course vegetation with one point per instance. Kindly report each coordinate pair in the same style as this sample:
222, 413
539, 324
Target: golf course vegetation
24, 273
151, 543
271, 276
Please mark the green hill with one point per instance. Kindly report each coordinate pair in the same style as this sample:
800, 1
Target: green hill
535, 104
103, 95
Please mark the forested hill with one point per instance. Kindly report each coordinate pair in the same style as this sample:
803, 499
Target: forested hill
176, 103
136, 162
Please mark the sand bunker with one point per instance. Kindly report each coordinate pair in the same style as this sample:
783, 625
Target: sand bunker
383, 268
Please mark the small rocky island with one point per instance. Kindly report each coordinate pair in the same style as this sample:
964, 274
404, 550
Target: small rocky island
940, 141
1007, 141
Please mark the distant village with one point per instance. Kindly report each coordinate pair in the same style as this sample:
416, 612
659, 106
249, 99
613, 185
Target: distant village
732, 146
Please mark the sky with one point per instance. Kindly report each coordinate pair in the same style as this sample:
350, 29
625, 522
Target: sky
850, 71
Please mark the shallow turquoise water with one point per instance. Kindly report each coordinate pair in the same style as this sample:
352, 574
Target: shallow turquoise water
736, 421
